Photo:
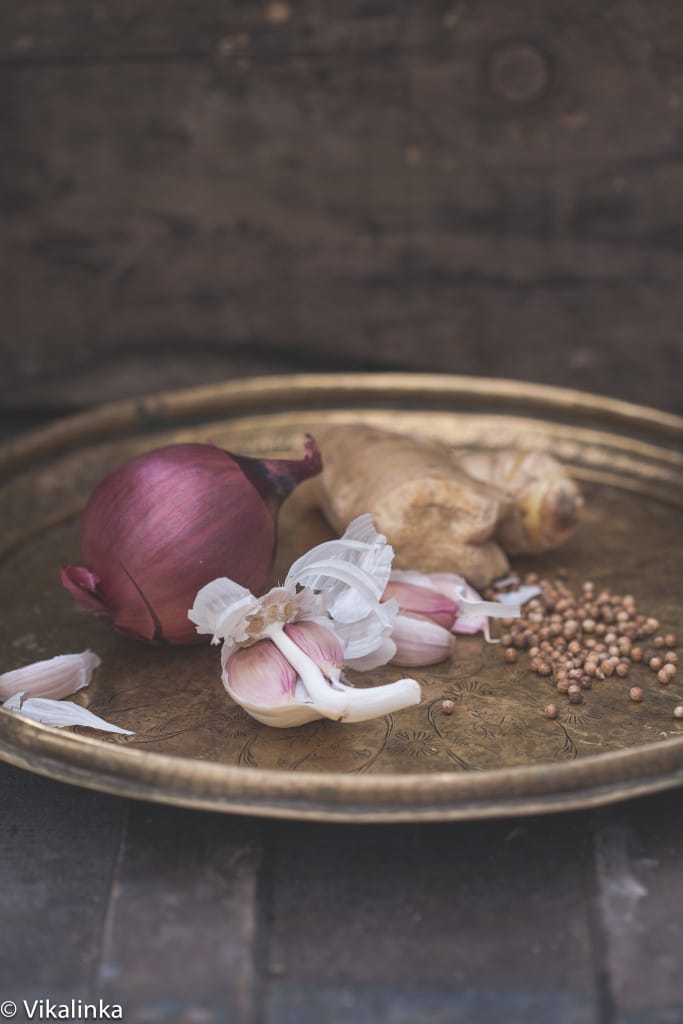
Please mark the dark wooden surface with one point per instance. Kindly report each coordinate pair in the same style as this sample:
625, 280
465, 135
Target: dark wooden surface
491, 188
188, 917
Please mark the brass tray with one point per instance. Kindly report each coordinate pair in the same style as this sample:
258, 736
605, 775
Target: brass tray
495, 755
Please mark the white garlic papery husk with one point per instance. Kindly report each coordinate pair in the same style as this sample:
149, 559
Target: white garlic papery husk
60, 713
54, 677
34, 691
334, 619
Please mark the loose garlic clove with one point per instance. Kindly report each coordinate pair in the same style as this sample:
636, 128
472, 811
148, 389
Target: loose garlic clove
420, 642
422, 599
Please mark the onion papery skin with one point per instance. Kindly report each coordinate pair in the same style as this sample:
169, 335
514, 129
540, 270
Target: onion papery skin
166, 523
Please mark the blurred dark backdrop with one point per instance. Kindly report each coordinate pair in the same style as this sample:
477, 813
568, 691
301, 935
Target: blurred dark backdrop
193, 191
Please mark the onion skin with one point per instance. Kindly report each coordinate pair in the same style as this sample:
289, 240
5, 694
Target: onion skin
167, 522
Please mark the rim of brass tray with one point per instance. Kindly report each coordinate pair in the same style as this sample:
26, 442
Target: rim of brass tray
117, 769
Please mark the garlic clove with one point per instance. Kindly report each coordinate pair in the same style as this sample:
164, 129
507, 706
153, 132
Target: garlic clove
319, 643
60, 713
260, 675
54, 677
420, 642
474, 611
415, 599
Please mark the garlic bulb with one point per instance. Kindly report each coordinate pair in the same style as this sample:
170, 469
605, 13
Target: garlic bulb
282, 654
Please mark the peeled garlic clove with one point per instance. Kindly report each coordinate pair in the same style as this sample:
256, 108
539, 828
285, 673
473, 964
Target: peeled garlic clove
420, 642
54, 677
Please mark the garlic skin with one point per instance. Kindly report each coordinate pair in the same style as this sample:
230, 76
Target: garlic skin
31, 691
54, 677
282, 654
169, 521
60, 713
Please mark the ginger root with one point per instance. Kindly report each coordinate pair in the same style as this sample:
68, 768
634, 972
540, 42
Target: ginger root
441, 512
547, 502
434, 515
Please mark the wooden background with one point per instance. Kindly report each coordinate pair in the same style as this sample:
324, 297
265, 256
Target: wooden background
191, 191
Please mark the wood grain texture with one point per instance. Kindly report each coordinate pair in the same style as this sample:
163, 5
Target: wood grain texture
58, 848
198, 919
489, 922
181, 931
640, 906
470, 188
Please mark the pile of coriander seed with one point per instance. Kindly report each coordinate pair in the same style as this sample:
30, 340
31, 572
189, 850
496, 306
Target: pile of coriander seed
575, 641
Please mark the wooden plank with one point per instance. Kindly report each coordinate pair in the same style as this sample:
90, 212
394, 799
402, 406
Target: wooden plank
506, 202
38, 30
181, 931
44, 30
641, 907
58, 846
487, 922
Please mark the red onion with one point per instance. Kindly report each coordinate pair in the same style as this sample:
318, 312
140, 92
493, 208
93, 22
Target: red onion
165, 523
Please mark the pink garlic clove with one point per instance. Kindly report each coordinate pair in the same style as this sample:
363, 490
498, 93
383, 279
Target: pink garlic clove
260, 675
319, 643
420, 642
422, 600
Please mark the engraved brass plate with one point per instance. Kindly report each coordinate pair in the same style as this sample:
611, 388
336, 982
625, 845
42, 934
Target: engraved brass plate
495, 755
